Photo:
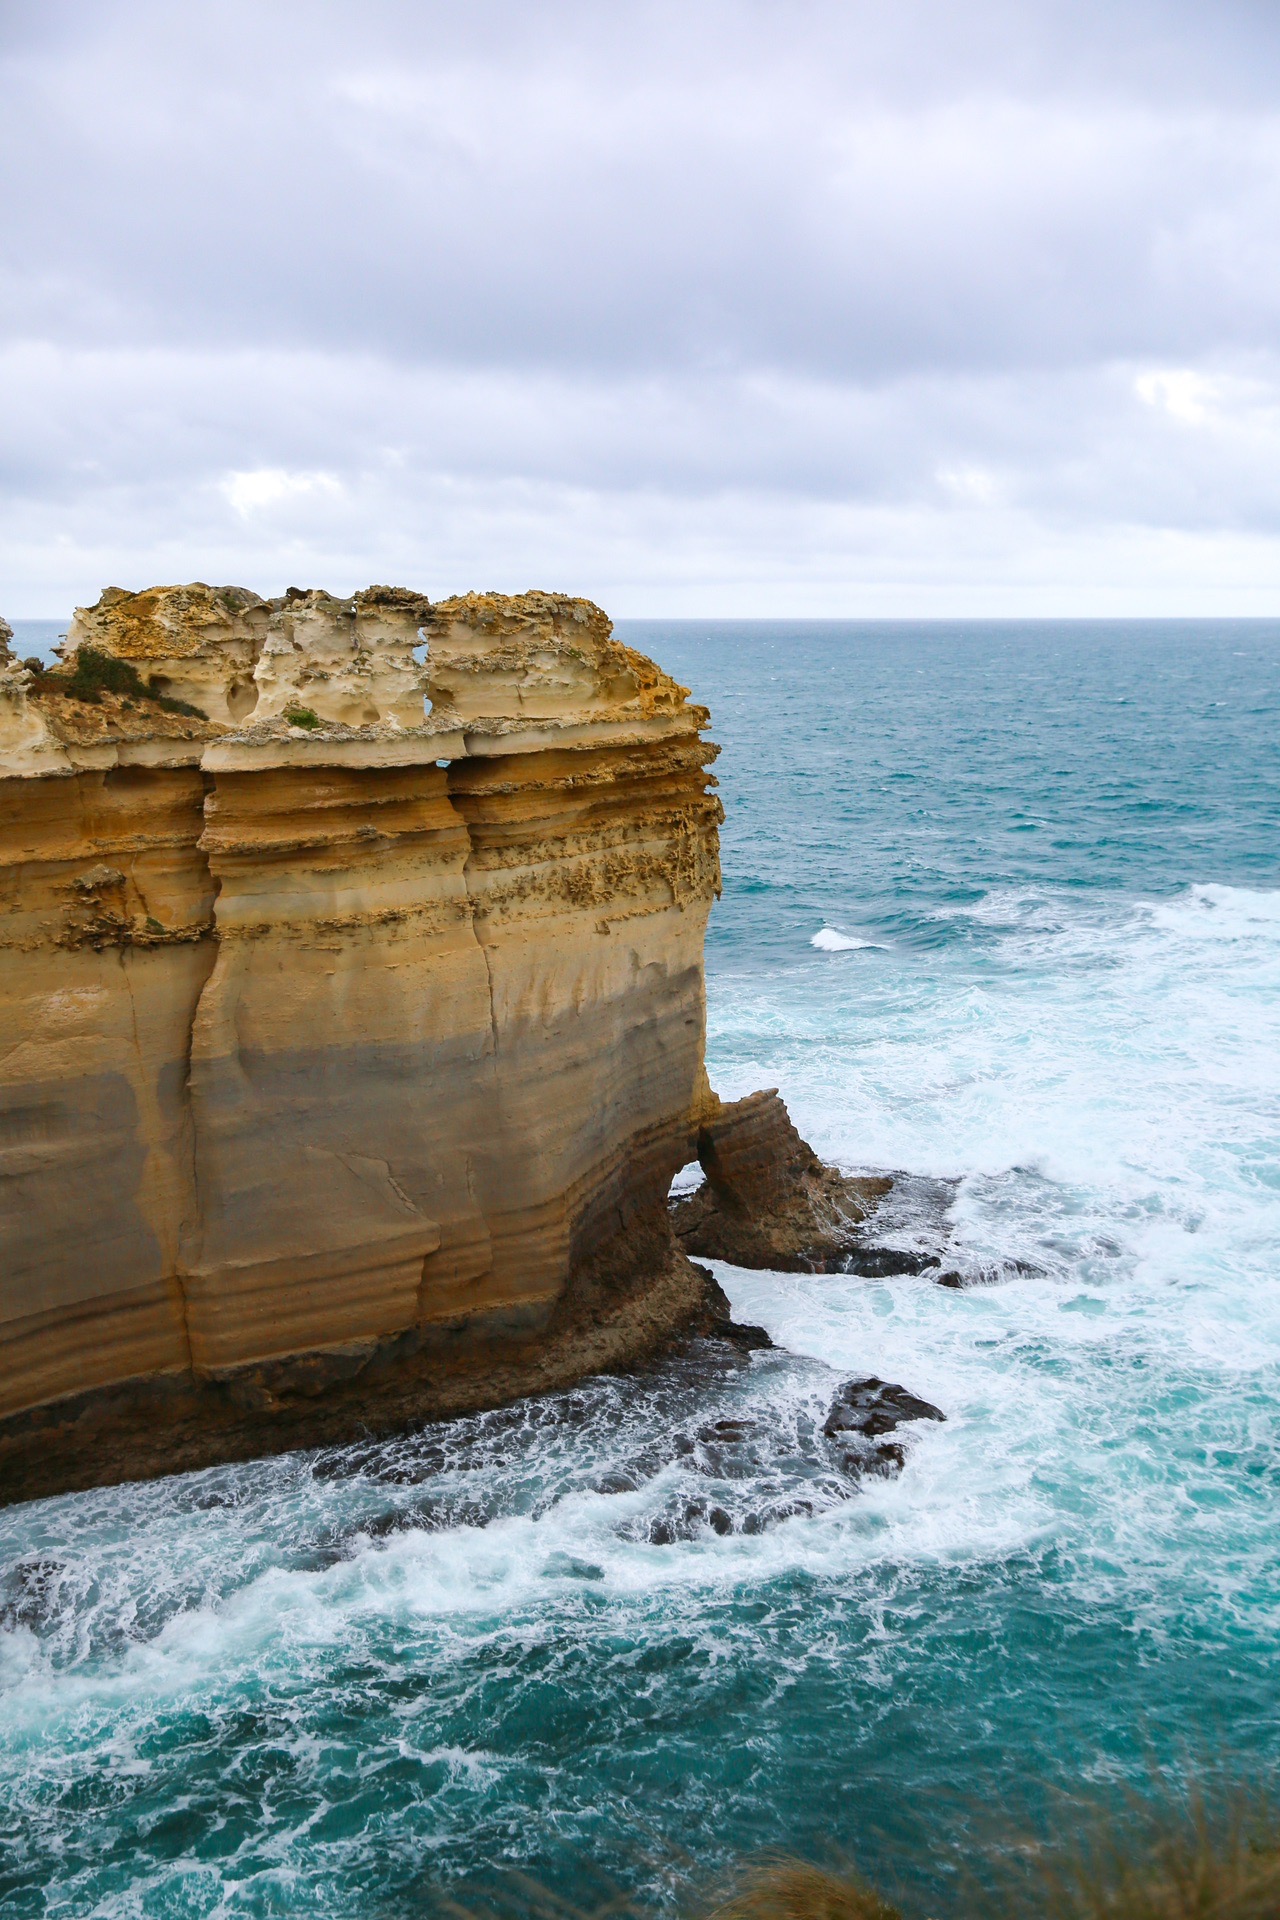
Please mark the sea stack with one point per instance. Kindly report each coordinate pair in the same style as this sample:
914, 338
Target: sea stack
352, 1003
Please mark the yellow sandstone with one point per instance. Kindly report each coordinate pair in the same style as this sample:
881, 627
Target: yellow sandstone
351, 1027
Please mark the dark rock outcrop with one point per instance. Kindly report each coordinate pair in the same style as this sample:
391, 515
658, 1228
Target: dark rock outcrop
886, 1263
716, 1319
872, 1407
863, 1412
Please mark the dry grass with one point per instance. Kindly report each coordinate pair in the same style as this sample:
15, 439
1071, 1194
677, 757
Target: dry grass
792, 1890
1190, 1859
1189, 1865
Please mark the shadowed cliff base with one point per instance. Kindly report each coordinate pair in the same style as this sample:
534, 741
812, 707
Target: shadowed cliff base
174, 1423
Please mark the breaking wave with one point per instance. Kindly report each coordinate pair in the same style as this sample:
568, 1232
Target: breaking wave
831, 940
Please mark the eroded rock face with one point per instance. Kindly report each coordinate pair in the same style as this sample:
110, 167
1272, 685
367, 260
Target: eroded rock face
768, 1200
350, 663
196, 643
349, 1043
497, 665
28, 743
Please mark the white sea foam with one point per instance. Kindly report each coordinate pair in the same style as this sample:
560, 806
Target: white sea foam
831, 940
1222, 913
1105, 1088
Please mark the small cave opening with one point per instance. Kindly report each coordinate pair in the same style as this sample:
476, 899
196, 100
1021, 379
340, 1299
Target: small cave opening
687, 1181
422, 653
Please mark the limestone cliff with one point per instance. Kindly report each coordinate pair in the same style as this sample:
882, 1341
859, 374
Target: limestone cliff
352, 1014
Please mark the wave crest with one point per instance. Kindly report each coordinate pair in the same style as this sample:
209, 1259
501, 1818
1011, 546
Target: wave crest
831, 940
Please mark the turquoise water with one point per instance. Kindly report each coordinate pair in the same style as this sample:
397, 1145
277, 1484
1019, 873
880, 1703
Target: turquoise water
37, 638
587, 1640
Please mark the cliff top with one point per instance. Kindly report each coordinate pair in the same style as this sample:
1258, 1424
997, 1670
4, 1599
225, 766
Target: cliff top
385, 675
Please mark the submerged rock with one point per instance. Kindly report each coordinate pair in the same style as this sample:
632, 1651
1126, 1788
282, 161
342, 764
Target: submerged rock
988, 1274
28, 1592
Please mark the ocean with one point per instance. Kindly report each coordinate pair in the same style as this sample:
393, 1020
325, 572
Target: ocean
1001, 914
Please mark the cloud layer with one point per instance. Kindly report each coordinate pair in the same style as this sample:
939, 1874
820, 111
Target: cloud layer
720, 308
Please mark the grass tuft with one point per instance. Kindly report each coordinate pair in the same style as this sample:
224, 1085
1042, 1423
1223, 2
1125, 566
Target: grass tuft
1188, 1854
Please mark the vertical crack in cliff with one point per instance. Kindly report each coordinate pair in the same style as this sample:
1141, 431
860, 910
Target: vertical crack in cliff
473, 905
189, 1220
488, 972
154, 1122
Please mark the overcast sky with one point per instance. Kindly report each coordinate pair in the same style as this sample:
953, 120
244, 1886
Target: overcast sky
814, 306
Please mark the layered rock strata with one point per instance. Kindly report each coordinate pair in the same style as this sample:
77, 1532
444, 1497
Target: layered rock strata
768, 1200
352, 1018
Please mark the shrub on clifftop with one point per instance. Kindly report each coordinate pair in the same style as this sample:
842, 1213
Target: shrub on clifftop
93, 674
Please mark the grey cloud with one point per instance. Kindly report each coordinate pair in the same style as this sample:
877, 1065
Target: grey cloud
276, 449
653, 198
843, 292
